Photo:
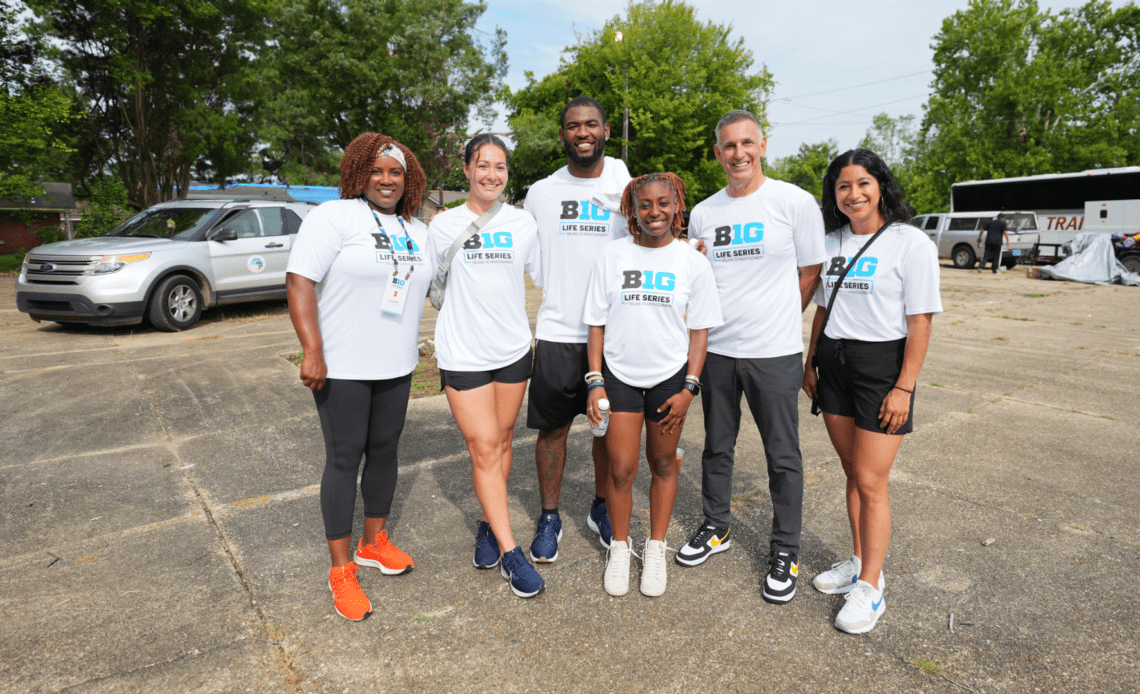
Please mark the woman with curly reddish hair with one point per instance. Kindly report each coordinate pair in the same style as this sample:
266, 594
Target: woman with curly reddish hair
639, 293
357, 277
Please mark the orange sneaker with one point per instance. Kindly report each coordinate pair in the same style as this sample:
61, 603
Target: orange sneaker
349, 599
383, 555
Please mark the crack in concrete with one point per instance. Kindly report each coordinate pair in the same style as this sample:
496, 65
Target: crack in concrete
182, 656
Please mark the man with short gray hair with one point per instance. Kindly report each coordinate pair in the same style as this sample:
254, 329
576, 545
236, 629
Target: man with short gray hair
764, 239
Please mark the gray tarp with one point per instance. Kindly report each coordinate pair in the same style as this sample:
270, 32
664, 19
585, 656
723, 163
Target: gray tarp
1093, 262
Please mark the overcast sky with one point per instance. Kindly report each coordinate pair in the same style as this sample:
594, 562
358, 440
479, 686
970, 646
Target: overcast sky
836, 64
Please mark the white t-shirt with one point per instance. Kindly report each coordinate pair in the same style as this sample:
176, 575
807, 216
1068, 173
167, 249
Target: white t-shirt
341, 248
641, 296
483, 324
756, 245
897, 277
572, 228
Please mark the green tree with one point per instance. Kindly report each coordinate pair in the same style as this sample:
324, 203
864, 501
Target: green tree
1018, 91
107, 206
412, 69
806, 167
165, 84
676, 75
33, 109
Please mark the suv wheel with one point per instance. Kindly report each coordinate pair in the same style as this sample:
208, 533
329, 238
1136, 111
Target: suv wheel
964, 257
175, 305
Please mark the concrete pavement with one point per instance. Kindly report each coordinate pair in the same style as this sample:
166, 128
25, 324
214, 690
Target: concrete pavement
161, 529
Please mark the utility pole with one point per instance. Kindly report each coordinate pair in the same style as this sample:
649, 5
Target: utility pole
625, 101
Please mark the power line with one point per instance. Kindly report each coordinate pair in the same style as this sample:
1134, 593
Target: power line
864, 69
856, 86
843, 113
847, 28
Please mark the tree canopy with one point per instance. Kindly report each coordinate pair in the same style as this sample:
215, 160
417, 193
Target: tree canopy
676, 75
32, 112
412, 69
1020, 91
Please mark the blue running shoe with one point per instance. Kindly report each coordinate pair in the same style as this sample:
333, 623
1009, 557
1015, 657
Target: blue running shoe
599, 522
525, 581
486, 547
545, 546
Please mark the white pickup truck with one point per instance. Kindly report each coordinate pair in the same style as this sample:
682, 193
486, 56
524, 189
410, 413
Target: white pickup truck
956, 235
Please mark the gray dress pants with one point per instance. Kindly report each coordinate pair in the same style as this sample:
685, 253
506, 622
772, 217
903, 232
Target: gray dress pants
771, 387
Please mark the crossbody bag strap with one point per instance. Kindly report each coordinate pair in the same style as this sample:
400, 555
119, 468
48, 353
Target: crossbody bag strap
815, 410
472, 229
843, 276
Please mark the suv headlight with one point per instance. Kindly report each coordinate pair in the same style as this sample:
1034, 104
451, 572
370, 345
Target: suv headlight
114, 263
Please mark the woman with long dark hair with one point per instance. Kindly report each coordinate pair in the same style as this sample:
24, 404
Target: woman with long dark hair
482, 341
869, 355
357, 276
646, 360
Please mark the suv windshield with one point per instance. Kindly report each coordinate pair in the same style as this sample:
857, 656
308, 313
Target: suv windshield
165, 223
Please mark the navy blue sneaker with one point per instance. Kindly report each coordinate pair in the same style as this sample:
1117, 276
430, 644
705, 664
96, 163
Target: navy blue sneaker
546, 536
486, 547
599, 522
525, 581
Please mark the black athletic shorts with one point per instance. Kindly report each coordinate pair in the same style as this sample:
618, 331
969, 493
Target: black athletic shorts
558, 389
627, 398
517, 372
855, 377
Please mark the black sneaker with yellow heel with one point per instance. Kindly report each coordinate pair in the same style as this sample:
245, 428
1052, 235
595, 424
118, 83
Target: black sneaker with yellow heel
707, 541
780, 583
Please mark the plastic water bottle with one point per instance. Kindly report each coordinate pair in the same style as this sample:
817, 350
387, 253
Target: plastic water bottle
604, 413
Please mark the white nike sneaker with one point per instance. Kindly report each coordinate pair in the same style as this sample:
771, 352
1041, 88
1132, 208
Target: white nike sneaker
862, 610
616, 579
653, 576
841, 577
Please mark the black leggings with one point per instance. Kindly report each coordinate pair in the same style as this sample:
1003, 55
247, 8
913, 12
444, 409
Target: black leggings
360, 418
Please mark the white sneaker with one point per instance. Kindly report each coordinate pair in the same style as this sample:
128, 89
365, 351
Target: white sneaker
616, 580
653, 576
862, 610
841, 577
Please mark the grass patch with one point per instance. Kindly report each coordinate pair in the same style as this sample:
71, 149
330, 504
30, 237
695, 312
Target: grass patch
1035, 296
423, 618
1031, 320
1081, 347
929, 667
1000, 338
11, 262
969, 410
937, 385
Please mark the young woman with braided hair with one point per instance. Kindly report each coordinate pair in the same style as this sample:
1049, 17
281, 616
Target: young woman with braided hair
357, 277
641, 288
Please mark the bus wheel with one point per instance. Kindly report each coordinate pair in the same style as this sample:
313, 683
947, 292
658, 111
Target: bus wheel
964, 257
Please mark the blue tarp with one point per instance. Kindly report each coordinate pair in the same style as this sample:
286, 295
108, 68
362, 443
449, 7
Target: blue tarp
317, 194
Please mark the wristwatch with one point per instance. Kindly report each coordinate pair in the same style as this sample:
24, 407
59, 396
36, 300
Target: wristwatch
694, 388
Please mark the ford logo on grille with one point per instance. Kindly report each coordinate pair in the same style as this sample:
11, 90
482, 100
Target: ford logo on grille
47, 267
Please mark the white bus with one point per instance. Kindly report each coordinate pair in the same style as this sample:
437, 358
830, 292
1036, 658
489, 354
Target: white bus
1058, 199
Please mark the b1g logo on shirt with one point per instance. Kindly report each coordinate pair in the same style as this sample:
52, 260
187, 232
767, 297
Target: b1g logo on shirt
738, 242
647, 288
582, 218
858, 280
407, 251
489, 248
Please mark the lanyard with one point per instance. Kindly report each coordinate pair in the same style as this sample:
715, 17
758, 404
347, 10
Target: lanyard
408, 243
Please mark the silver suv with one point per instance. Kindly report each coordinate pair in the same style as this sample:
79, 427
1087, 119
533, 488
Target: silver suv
164, 264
